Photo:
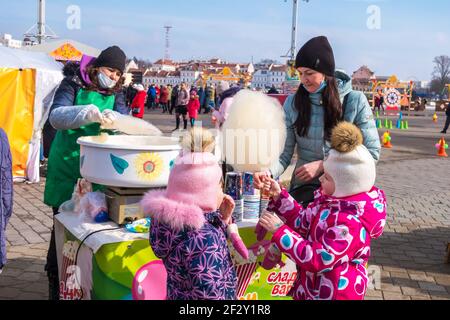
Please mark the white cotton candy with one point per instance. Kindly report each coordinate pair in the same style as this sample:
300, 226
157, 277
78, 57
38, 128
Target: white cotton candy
253, 136
133, 126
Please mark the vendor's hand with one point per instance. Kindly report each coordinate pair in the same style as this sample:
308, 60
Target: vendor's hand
226, 208
271, 187
94, 115
271, 222
309, 171
258, 179
109, 117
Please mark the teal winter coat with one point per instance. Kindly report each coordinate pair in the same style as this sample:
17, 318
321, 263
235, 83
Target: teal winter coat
313, 147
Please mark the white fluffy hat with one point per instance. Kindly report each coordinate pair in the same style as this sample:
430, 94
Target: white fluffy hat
349, 163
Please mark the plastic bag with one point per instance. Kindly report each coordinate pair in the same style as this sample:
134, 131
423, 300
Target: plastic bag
139, 226
93, 206
73, 205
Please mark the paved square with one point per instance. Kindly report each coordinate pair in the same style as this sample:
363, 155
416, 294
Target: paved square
408, 261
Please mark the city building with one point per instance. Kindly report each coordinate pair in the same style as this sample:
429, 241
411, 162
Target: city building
164, 72
164, 65
362, 79
273, 75
161, 78
8, 41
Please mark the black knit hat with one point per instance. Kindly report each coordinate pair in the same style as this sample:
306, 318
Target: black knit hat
317, 54
112, 57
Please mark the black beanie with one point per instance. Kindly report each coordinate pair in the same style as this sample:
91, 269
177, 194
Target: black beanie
317, 54
112, 57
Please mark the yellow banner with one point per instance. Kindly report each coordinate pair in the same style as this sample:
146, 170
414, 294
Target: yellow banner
17, 91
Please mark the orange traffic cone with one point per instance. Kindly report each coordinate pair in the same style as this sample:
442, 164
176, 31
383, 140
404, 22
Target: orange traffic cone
441, 146
387, 140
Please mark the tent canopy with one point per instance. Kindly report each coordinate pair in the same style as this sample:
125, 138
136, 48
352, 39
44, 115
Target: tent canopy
22, 59
51, 47
28, 81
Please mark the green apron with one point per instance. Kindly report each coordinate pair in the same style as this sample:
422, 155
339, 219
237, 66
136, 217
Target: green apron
64, 159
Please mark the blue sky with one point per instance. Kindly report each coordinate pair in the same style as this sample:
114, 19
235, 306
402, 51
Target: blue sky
412, 32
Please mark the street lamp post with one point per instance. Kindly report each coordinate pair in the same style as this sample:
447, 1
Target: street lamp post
294, 29
293, 50
41, 27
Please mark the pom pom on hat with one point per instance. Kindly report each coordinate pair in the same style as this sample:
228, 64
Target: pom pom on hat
346, 137
193, 185
349, 163
196, 175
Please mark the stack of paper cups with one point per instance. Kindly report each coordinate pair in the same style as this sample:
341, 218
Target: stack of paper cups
233, 187
251, 197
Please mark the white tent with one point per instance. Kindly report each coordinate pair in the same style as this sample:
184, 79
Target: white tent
48, 75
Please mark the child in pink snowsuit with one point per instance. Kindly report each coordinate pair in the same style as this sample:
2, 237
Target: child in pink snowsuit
193, 107
330, 239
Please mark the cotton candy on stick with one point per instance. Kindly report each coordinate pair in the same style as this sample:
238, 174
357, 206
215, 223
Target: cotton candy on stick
131, 125
236, 240
253, 136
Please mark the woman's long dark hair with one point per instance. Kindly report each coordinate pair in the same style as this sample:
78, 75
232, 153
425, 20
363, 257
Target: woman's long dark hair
332, 112
95, 86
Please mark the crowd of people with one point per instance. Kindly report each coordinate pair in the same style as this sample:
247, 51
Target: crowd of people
183, 100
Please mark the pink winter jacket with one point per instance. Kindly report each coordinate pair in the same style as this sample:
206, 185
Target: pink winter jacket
330, 242
223, 112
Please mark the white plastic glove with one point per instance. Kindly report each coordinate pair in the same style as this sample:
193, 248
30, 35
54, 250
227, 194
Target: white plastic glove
109, 117
94, 115
73, 117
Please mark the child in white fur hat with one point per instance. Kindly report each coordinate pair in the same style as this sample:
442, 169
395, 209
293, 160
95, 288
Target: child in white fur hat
330, 239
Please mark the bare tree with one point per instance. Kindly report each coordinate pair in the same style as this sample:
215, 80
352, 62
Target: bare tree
441, 73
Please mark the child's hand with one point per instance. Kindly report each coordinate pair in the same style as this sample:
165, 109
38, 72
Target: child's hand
226, 208
271, 222
271, 187
258, 178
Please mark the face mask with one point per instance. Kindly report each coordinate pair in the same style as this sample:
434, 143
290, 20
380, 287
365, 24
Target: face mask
105, 82
322, 86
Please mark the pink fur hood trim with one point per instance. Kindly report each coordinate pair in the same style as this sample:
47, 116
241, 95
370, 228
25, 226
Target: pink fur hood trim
176, 214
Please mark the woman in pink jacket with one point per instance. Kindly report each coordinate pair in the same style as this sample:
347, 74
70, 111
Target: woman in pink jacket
330, 239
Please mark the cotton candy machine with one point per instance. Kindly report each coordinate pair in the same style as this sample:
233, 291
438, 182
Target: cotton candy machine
128, 166
128, 161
